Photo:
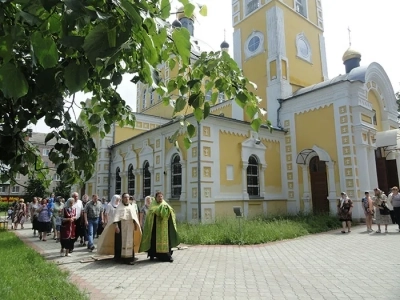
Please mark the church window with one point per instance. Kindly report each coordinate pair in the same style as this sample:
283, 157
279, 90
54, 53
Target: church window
252, 5
209, 93
151, 98
253, 183
146, 179
221, 97
253, 44
374, 121
118, 181
303, 47
131, 180
166, 72
176, 176
301, 7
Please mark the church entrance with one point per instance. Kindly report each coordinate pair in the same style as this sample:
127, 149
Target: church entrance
319, 186
386, 170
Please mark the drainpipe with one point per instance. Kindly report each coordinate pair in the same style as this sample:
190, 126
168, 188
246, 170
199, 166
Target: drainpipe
198, 171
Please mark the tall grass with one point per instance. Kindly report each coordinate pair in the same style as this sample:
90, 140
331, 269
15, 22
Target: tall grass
232, 231
26, 275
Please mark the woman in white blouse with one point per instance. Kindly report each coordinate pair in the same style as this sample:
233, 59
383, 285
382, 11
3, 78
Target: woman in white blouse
110, 211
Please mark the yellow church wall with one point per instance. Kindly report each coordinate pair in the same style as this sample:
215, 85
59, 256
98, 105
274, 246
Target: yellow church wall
302, 73
255, 209
226, 110
323, 136
225, 208
312, 9
124, 133
176, 205
160, 110
273, 173
278, 207
373, 99
229, 154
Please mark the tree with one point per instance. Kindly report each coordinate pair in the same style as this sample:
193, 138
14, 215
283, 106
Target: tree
52, 49
63, 190
35, 188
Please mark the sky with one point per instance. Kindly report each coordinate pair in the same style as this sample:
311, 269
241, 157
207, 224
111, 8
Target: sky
374, 32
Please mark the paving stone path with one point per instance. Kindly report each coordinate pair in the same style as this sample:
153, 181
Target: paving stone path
356, 266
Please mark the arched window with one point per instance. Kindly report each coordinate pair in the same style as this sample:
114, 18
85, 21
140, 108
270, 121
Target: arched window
118, 181
253, 182
146, 179
131, 181
176, 176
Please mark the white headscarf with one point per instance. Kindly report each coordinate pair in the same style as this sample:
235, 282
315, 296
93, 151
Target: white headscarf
343, 198
114, 200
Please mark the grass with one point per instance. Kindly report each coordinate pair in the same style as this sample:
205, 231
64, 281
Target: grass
255, 231
24, 274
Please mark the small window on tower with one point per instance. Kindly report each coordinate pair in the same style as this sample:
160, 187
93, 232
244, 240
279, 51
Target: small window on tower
252, 5
301, 7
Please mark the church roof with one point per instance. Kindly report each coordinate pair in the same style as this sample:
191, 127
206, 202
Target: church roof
357, 74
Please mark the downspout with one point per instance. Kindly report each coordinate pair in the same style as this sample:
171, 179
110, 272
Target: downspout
198, 171
109, 163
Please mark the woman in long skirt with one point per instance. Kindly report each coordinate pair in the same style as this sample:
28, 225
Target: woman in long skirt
68, 229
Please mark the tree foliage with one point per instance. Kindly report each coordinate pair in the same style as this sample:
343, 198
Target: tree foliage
51, 49
62, 189
35, 188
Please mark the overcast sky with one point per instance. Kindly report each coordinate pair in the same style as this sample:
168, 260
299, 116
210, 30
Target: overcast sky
374, 32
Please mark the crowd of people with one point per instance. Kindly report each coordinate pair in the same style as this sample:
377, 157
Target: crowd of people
380, 208
121, 227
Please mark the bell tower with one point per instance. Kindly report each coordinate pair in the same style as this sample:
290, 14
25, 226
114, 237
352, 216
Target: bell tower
280, 46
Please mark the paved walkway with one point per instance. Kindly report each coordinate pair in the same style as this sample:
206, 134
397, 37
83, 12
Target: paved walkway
332, 265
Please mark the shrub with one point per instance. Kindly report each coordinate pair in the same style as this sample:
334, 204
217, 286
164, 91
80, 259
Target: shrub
232, 231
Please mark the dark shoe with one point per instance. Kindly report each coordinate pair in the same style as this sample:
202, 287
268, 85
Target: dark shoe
171, 260
91, 249
151, 257
343, 231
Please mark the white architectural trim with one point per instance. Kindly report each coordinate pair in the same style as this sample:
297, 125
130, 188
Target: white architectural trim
303, 47
237, 47
324, 61
259, 49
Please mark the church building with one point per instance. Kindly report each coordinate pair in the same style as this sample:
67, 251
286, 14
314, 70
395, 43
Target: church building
329, 134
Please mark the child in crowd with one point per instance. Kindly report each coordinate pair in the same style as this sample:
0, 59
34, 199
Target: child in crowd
9, 212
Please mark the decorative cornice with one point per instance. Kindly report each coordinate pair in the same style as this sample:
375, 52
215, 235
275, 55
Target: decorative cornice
234, 132
221, 105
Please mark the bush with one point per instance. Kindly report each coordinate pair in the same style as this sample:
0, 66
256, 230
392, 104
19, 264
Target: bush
26, 275
232, 231
4, 207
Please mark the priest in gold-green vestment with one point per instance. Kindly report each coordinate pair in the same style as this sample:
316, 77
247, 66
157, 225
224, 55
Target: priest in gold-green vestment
159, 232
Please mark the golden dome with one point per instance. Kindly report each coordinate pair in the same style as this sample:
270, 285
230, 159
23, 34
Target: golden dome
351, 53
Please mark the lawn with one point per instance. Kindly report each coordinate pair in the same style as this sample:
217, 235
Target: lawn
27, 275
231, 231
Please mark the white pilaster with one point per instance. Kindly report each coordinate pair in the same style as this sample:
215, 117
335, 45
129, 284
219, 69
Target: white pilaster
373, 177
332, 196
183, 187
262, 181
364, 171
324, 62
306, 189
168, 187
152, 179
244, 180
141, 191
237, 47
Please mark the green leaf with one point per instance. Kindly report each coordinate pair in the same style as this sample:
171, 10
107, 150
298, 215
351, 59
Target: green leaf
49, 137
187, 142
191, 130
12, 81
172, 86
45, 50
203, 10
61, 167
6, 44
198, 114
132, 11
255, 124
94, 119
180, 104
149, 51
75, 42
181, 37
96, 42
49, 4
116, 78
251, 111
206, 109
112, 37
165, 9
76, 76
189, 9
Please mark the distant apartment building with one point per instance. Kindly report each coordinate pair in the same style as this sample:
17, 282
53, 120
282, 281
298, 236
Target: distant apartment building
11, 192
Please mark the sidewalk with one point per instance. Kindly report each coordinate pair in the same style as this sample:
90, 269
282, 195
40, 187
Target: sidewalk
356, 266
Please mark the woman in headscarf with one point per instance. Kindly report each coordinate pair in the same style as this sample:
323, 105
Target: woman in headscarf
110, 210
382, 212
345, 207
68, 228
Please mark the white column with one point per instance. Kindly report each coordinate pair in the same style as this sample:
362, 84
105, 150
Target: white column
183, 187
332, 196
306, 189
169, 176
141, 191
244, 180
262, 180
138, 187
373, 176
364, 168
152, 191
